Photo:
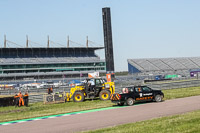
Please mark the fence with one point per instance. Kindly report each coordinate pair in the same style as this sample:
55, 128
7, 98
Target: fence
34, 91
36, 95
171, 84
36, 98
175, 85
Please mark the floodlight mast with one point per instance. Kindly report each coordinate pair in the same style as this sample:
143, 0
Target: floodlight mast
108, 44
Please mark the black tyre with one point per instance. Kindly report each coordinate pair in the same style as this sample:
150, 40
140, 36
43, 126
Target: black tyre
49, 98
158, 98
120, 104
78, 97
16, 102
104, 95
130, 101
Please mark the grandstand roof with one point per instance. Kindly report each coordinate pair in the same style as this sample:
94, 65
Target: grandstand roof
47, 52
165, 64
92, 48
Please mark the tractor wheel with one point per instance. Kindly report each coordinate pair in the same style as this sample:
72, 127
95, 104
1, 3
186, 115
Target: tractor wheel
104, 95
78, 97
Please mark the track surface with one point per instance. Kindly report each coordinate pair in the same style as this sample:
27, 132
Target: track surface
101, 119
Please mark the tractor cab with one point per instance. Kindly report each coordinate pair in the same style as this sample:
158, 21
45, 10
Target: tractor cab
97, 81
91, 88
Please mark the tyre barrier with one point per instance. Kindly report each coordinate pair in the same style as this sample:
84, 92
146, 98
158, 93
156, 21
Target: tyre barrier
54, 97
7, 101
49, 98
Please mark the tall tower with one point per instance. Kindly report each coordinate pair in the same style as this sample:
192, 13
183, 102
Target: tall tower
107, 29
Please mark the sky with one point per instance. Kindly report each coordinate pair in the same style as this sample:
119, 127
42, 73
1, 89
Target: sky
141, 28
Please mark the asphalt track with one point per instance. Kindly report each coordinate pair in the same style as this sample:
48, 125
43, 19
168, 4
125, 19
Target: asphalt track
105, 118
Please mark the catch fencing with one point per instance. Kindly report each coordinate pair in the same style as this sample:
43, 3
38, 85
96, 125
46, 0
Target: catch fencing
37, 95
35, 98
34, 90
162, 84
175, 85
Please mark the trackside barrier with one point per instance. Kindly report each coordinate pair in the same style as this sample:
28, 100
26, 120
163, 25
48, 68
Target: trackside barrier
161, 85
175, 85
33, 91
35, 98
7, 101
36, 95
54, 98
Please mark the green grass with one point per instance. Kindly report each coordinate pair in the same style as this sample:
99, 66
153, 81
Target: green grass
182, 92
39, 109
184, 123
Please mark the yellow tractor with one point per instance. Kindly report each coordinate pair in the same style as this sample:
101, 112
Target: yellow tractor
100, 89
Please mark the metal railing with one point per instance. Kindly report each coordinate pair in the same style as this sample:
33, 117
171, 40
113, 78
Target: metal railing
37, 95
175, 85
36, 98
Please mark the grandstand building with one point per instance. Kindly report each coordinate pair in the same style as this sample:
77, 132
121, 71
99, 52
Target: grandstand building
180, 65
45, 62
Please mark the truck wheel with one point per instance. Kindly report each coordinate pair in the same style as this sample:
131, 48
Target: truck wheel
158, 98
120, 104
104, 95
78, 97
130, 101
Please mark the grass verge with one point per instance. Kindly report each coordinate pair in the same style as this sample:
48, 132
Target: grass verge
180, 93
184, 123
39, 109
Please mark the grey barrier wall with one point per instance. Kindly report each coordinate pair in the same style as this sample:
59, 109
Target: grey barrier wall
163, 84
36, 98
175, 85
36, 95
33, 91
